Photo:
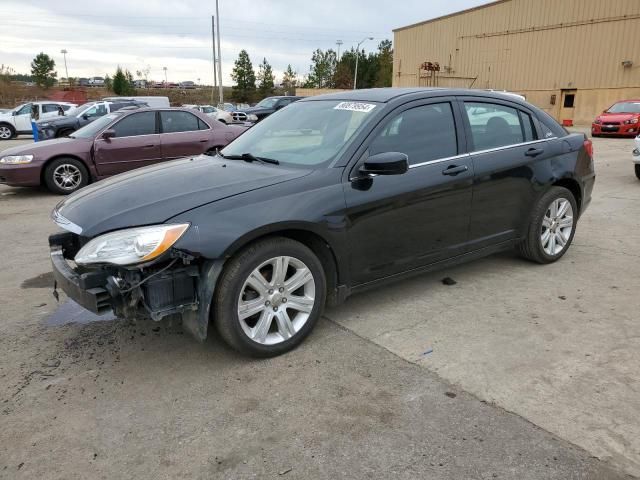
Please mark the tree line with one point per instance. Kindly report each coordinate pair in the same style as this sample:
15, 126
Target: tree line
326, 71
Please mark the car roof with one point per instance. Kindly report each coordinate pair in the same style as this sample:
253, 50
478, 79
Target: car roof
384, 95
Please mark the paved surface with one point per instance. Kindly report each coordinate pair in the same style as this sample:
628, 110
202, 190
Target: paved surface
119, 400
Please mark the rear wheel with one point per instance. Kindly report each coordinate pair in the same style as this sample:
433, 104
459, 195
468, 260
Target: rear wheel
7, 132
551, 227
270, 297
637, 165
65, 175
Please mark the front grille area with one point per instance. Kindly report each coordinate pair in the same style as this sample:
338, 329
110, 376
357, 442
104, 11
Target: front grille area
611, 123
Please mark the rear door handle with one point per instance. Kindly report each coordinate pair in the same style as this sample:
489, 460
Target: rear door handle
149, 146
454, 170
534, 152
204, 140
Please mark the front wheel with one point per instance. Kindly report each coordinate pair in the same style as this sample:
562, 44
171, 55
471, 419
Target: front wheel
65, 175
270, 297
7, 132
638, 170
551, 227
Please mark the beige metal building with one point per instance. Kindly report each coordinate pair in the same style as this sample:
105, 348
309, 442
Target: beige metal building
573, 58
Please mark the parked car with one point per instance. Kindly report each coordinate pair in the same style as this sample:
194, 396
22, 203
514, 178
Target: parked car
263, 109
327, 197
151, 100
114, 143
83, 82
81, 116
622, 118
96, 82
213, 112
140, 83
636, 157
187, 85
157, 85
18, 121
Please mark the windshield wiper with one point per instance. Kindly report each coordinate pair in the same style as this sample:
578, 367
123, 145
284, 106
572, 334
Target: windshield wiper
248, 157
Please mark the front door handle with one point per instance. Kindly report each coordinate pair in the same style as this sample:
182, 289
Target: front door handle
148, 146
204, 141
454, 170
534, 152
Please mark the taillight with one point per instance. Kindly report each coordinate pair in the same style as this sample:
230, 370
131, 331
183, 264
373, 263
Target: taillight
588, 146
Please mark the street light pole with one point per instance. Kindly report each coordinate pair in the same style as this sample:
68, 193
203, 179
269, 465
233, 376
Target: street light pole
166, 83
338, 43
355, 78
64, 54
221, 96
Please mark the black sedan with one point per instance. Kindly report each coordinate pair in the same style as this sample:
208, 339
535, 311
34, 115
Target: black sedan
263, 109
328, 197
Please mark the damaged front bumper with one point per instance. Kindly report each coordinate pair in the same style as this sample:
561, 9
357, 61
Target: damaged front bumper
172, 287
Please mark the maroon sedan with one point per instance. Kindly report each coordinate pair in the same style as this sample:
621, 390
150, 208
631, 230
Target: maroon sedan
115, 143
621, 118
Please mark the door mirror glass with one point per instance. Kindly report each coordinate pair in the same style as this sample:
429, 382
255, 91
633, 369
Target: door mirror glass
388, 163
85, 116
108, 133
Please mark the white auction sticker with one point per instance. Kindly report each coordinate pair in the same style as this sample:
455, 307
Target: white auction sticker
355, 106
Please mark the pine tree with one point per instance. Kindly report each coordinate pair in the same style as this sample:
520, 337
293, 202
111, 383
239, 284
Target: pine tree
244, 77
121, 82
265, 79
384, 70
289, 81
42, 69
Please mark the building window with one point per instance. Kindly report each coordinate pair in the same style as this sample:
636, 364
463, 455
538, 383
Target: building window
568, 100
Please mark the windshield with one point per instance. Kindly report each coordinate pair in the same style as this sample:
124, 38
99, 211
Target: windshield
77, 110
90, 130
267, 103
304, 134
625, 107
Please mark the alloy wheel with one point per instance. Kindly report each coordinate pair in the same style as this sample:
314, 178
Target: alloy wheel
5, 133
276, 300
67, 176
557, 226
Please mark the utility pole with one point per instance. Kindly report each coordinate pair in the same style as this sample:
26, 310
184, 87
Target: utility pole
215, 67
166, 83
64, 54
338, 43
355, 77
219, 55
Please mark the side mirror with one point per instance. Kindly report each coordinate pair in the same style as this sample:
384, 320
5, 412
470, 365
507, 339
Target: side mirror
108, 133
388, 163
85, 116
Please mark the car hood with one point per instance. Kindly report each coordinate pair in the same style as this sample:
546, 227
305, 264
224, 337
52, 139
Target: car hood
49, 148
257, 110
617, 117
61, 120
157, 193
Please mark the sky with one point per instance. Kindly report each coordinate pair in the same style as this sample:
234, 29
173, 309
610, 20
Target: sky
99, 35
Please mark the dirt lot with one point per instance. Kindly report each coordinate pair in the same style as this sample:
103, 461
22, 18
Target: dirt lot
557, 346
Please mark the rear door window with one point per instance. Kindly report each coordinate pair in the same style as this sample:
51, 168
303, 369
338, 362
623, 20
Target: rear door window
494, 125
143, 123
422, 133
50, 108
178, 121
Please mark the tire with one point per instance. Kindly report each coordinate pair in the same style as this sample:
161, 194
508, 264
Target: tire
542, 220
637, 165
7, 132
65, 175
266, 333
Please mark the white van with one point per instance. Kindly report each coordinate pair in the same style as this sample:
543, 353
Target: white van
152, 101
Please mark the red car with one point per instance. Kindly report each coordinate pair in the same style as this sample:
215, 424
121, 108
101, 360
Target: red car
622, 118
115, 143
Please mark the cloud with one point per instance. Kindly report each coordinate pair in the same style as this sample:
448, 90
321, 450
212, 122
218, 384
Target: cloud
102, 34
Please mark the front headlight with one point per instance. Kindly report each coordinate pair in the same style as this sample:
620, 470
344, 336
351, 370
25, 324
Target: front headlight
16, 159
598, 121
252, 117
130, 246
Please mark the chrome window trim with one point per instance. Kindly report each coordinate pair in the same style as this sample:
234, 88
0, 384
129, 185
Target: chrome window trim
439, 160
64, 223
505, 147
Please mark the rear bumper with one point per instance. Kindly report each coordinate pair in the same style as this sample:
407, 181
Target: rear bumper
613, 130
26, 175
